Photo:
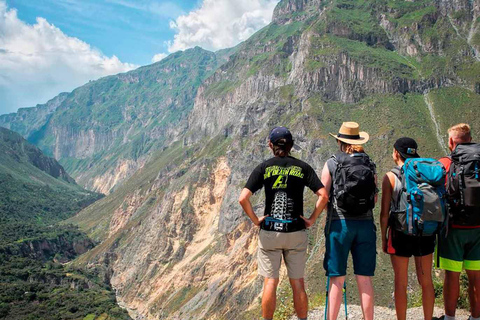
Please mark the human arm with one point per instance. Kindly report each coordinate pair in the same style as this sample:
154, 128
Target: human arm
326, 178
387, 188
319, 206
244, 201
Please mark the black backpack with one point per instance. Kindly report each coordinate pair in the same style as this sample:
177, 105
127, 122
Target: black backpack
463, 185
354, 183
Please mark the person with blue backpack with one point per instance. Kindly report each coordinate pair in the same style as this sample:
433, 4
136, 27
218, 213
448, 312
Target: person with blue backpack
350, 178
412, 214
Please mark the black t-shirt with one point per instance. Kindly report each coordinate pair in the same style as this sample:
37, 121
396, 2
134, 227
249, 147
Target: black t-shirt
284, 180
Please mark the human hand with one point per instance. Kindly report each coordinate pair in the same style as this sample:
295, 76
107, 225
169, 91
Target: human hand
259, 221
384, 245
308, 222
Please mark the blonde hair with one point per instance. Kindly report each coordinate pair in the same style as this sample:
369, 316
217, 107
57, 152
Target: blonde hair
460, 132
352, 148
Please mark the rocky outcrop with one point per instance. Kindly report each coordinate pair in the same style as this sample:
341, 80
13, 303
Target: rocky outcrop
16, 148
296, 10
28, 121
59, 249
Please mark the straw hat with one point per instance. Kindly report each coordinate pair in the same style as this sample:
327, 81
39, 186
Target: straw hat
350, 133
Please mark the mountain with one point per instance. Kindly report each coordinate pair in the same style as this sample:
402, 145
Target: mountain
103, 131
35, 194
173, 241
35, 188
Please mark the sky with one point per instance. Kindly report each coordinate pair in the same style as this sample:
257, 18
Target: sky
53, 46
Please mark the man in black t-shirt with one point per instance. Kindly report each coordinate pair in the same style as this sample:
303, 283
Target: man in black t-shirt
282, 227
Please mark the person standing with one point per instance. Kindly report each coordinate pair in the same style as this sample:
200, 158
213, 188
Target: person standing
402, 246
282, 228
350, 179
460, 247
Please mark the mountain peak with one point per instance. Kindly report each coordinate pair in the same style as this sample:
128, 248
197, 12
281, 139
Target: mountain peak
288, 10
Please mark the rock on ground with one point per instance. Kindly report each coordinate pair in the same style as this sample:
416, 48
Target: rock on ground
381, 313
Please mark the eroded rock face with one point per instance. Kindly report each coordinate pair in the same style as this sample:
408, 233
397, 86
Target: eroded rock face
177, 252
175, 242
59, 249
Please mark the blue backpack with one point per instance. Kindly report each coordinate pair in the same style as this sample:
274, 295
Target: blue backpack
420, 208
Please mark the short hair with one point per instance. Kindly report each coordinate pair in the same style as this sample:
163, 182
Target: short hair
460, 132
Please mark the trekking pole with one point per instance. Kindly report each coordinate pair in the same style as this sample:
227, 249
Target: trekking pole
345, 297
326, 297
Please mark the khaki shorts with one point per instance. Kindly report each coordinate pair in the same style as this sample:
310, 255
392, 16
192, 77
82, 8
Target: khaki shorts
273, 245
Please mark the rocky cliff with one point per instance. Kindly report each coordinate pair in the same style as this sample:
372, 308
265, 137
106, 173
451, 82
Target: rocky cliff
104, 131
174, 242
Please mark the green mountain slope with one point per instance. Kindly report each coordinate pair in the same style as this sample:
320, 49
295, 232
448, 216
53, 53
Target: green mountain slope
35, 194
103, 131
173, 239
35, 188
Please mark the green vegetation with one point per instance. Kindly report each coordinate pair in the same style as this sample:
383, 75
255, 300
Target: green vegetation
416, 16
33, 289
465, 103
35, 194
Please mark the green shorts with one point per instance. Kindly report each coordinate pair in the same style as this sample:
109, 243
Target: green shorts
460, 250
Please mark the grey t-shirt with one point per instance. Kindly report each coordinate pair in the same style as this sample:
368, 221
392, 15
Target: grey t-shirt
336, 213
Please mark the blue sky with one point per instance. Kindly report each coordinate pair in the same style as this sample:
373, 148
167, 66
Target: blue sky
134, 31
53, 46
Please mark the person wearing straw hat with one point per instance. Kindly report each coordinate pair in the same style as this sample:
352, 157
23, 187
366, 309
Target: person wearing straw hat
350, 179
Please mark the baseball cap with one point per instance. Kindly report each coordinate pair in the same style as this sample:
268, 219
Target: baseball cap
278, 133
407, 147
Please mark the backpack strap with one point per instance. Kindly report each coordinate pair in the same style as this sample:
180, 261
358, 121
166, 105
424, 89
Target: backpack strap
398, 172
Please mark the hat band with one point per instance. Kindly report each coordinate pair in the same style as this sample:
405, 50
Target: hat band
349, 136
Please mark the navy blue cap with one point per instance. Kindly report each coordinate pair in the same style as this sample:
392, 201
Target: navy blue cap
278, 133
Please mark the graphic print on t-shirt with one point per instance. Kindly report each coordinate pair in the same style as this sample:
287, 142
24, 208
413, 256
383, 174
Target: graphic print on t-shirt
282, 209
284, 180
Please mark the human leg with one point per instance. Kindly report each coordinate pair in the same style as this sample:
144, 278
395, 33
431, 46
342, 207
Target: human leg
423, 267
364, 256
338, 244
472, 267
474, 292
365, 290
451, 255
295, 256
269, 258
400, 269
335, 295
451, 291
300, 299
269, 297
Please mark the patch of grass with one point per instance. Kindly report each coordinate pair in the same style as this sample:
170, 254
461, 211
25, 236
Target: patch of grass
313, 65
221, 88
415, 16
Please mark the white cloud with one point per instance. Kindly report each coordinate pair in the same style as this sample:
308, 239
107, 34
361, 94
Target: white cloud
159, 56
219, 24
38, 61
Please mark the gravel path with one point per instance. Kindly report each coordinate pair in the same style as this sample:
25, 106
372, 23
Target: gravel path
381, 313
